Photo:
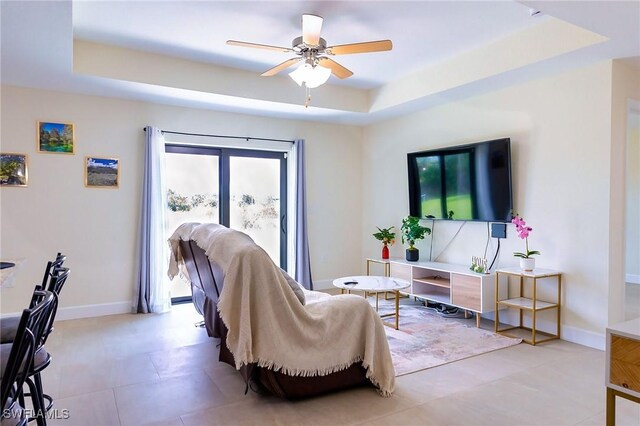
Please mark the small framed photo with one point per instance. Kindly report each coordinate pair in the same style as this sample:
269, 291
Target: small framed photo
101, 172
13, 169
55, 138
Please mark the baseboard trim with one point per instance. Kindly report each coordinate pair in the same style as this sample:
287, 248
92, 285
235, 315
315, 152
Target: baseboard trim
567, 332
322, 284
584, 337
633, 279
89, 311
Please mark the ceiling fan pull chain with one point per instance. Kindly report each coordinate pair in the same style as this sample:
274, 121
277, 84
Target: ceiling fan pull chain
311, 50
308, 100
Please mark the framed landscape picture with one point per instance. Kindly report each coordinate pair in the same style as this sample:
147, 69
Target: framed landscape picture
13, 169
55, 138
101, 172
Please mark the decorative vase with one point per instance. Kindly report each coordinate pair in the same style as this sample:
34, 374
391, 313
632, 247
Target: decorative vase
527, 263
413, 255
385, 251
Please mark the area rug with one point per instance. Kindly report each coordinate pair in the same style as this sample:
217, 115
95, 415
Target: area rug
426, 339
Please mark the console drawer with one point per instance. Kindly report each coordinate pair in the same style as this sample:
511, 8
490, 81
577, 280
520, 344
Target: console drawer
466, 291
625, 362
398, 270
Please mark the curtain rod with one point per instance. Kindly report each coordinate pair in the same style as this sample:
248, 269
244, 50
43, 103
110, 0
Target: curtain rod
247, 138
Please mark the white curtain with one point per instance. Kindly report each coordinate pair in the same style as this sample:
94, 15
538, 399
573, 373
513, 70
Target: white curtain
152, 290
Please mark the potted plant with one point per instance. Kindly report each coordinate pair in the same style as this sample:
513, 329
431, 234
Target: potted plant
387, 237
527, 263
412, 231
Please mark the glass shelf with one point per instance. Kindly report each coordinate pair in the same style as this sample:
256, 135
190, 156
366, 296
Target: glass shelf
526, 303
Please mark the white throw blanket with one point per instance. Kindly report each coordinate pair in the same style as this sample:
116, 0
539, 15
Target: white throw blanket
269, 326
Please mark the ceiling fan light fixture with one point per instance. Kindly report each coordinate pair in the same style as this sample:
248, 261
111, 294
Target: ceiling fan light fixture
311, 26
311, 51
311, 76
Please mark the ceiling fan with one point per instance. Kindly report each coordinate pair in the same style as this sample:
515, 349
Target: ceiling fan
312, 51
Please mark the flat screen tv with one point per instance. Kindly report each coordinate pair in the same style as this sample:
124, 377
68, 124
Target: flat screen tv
467, 182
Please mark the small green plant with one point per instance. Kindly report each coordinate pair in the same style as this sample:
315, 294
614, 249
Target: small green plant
412, 231
385, 235
479, 265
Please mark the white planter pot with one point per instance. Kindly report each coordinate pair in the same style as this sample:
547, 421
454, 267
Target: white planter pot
527, 264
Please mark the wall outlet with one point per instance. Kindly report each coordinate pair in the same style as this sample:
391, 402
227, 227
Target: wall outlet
499, 230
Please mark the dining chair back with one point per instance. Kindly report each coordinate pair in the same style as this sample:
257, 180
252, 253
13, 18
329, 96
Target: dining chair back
51, 267
40, 326
53, 280
39, 323
56, 275
58, 278
20, 364
16, 372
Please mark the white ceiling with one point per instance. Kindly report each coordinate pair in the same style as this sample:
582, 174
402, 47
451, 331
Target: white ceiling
37, 44
423, 33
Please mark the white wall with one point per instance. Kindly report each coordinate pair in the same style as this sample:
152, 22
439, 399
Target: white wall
560, 131
562, 128
625, 85
97, 228
632, 233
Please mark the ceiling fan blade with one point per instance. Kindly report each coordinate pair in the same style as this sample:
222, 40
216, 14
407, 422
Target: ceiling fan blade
336, 69
311, 26
258, 46
366, 47
275, 70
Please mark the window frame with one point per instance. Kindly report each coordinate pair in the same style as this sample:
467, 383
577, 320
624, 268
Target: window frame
224, 154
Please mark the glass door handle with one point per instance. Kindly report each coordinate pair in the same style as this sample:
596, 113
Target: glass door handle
282, 222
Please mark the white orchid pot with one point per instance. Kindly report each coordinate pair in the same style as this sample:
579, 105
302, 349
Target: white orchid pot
527, 263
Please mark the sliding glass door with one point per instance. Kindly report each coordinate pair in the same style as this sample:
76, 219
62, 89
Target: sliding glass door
257, 194
193, 195
245, 190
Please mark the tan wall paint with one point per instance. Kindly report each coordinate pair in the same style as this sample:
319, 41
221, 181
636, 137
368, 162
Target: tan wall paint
625, 85
560, 131
531, 45
168, 71
632, 233
97, 228
561, 128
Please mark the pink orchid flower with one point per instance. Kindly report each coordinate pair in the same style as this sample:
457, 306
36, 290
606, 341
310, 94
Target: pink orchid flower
523, 232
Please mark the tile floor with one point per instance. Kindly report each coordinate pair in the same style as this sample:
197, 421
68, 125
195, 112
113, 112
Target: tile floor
161, 370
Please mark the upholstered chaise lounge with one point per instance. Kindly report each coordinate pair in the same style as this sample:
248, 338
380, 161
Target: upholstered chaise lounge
247, 301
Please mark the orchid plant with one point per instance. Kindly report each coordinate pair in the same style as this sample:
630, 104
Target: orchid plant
523, 232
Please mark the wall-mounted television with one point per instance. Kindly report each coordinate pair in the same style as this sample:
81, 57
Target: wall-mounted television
466, 182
